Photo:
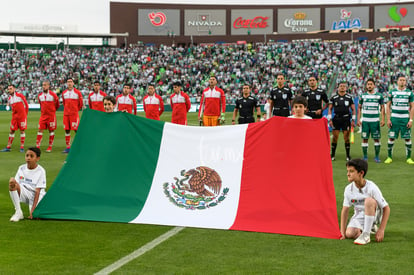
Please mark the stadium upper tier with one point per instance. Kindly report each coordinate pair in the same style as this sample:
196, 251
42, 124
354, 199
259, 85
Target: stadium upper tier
233, 65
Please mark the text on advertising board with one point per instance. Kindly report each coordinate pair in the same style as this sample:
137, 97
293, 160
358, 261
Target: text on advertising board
346, 22
255, 23
298, 23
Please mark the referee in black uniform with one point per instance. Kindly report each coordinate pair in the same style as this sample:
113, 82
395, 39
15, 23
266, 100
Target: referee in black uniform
280, 98
246, 105
343, 106
315, 96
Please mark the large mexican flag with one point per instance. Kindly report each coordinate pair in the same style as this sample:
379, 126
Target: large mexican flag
273, 176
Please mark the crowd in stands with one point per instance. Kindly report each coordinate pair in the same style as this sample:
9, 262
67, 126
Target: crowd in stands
232, 64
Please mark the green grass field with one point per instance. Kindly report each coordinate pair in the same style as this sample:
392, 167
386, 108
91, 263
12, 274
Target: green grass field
76, 247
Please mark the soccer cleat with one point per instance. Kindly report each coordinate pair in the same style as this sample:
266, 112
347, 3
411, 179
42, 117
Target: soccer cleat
365, 158
364, 238
377, 160
49, 149
332, 158
410, 161
17, 216
66, 151
348, 158
21, 150
5, 150
388, 160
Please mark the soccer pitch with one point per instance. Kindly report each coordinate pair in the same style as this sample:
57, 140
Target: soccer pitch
77, 247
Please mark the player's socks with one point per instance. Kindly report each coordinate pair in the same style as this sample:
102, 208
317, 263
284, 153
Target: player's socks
368, 222
22, 139
365, 150
39, 139
51, 138
390, 146
377, 146
10, 141
408, 148
67, 140
16, 200
347, 150
333, 149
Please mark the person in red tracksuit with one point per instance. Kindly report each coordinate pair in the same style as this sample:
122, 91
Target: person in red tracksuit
180, 105
212, 105
72, 100
49, 103
125, 102
20, 108
96, 97
153, 104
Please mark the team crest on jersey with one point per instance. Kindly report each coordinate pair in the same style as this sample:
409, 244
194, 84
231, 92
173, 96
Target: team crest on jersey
347, 103
196, 189
284, 96
318, 97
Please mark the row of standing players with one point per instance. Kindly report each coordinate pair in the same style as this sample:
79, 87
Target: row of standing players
371, 114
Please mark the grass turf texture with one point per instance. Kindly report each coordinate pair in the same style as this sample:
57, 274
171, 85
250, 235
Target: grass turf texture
76, 247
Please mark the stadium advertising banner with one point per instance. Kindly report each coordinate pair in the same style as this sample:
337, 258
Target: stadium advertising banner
251, 21
346, 18
204, 22
298, 20
158, 22
394, 16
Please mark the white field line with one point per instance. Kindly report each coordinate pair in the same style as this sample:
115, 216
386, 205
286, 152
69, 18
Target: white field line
143, 249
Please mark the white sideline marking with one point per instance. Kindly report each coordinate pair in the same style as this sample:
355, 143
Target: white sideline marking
140, 251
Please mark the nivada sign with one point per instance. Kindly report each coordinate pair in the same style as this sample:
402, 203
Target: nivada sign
298, 20
204, 22
251, 22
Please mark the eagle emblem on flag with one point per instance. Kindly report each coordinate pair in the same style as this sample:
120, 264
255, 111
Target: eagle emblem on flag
198, 188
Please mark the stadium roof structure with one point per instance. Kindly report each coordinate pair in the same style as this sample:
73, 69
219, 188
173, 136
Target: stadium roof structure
15, 34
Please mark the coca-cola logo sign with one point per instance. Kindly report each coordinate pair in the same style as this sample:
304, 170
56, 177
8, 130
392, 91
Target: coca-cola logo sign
157, 19
259, 22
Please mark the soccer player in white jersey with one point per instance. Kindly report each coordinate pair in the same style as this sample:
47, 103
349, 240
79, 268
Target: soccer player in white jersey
28, 185
370, 207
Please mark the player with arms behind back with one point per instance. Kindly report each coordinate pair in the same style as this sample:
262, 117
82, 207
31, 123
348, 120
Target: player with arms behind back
49, 103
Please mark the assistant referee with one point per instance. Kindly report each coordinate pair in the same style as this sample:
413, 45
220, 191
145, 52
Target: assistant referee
246, 105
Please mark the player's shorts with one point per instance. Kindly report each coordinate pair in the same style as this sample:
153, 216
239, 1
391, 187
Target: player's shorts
210, 120
281, 112
182, 121
244, 120
313, 115
399, 126
27, 195
357, 221
71, 122
48, 122
372, 129
341, 123
18, 123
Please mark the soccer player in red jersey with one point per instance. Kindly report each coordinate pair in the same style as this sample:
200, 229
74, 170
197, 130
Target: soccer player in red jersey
95, 98
49, 103
125, 102
180, 105
72, 100
20, 108
212, 105
153, 104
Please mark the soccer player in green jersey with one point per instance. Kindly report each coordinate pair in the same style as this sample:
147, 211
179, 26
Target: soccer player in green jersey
370, 112
400, 112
